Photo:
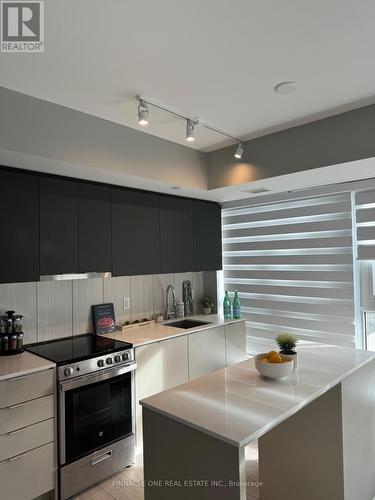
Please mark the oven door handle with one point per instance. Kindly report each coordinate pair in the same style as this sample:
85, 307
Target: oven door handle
96, 377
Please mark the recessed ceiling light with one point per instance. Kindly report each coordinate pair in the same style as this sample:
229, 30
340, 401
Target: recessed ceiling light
256, 190
285, 87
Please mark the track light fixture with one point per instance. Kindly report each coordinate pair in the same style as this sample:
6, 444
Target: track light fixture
143, 114
190, 130
239, 151
143, 119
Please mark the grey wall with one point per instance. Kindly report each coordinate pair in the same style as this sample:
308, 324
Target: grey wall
338, 139
101, 150
36, 127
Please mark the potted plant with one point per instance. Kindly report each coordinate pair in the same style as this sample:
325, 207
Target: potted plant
207, 304
287, 344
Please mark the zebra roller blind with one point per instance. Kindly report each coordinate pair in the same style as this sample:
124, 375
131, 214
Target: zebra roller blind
292, 263
365, 217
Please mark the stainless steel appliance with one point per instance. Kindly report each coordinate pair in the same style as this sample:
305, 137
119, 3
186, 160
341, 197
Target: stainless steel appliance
95, 380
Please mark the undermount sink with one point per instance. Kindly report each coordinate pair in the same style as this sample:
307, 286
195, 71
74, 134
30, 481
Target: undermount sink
187, 323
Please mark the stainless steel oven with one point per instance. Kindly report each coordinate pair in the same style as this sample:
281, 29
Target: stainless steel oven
95, 410
96, 426
95, 380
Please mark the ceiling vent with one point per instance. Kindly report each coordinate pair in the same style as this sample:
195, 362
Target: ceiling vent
256, 190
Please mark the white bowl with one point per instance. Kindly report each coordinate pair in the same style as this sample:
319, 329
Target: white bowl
274, 370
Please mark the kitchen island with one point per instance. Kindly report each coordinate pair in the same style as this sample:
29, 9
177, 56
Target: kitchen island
314, 429
167, 356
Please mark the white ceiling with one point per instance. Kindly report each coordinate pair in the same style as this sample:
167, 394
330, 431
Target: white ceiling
213, 58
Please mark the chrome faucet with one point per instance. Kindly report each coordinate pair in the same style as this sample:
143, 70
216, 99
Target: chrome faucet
170, 313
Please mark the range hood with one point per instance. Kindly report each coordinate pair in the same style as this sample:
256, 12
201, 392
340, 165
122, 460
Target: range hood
74, 276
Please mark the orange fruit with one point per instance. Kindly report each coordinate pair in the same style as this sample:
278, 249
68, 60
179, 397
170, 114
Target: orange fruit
271, 353
275, 358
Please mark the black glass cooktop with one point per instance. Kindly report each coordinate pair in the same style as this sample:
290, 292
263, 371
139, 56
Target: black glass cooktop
78, 348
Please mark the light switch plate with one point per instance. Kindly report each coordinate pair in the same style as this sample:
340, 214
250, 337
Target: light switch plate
126, 303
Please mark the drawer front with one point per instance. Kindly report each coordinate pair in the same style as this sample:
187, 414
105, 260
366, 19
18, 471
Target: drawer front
28, 475
91, 469
28, 438
19, 389
24, 414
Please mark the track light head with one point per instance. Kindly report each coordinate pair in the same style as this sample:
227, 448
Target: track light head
239, 151
190, 130
144, 118
143, 113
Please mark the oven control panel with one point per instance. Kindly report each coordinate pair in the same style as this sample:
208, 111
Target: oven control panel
96, 364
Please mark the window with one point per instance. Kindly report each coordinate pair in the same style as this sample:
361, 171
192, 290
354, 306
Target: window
292, 262
370, 330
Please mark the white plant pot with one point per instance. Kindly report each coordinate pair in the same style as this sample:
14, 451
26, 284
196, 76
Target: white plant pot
207, 310
294, 357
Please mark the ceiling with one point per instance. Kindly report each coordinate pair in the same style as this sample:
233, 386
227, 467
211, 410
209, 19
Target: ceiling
358, 170
215, 59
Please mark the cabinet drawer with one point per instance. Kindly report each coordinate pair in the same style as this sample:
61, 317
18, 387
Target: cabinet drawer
22, 440
24, 414
28, 475
19, 389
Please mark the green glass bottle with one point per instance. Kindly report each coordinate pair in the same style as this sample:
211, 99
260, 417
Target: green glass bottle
227, 306
236, 306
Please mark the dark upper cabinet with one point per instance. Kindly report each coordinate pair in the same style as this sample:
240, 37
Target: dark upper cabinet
94, 228
58, 226
54, 225
207, 236
176, 234
135, 232
19, 249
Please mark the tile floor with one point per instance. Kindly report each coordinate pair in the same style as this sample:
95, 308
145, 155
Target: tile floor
127, 485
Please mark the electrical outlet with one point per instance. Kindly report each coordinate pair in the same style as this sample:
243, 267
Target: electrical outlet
126, 303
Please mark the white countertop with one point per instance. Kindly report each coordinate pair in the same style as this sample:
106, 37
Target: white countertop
158, 331
237, 405
22, 364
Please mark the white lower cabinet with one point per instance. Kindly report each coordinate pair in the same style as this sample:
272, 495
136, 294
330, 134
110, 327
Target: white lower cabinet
168, 363
160, 366
27, 436
23, 414
30, 437
206, 351
235, 338
26, 387
28, 475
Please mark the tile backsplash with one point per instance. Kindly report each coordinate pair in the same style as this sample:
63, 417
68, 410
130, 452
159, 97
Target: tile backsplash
55, 309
